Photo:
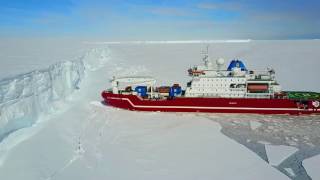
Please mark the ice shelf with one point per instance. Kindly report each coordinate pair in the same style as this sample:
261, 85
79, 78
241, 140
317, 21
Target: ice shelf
25, 97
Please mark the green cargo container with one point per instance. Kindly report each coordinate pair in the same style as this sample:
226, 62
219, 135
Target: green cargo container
299, 95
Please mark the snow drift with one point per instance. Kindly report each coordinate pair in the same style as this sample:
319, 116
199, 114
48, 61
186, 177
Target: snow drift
24, 98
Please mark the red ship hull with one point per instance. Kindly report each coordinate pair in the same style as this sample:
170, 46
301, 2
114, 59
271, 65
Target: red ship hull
209, 105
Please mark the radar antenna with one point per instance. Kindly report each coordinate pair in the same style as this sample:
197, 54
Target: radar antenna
205, 54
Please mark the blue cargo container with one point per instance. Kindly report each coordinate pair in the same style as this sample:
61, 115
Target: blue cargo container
175, 90
141, 90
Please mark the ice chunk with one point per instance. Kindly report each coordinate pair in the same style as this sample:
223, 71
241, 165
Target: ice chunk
277, 154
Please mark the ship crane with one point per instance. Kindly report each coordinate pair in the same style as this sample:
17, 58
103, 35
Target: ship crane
132, 80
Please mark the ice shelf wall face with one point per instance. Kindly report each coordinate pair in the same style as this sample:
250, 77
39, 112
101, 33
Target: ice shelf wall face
23, 98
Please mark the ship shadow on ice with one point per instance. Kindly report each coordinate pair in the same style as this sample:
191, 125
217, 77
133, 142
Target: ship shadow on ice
257, 133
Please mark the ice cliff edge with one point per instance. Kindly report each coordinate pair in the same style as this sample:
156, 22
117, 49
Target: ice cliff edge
25, 97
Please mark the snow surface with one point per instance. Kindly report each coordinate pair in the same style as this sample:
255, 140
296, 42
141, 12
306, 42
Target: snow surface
20, 56
84, 139
312, 166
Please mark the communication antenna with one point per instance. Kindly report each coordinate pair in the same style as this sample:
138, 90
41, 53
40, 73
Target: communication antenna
205, 54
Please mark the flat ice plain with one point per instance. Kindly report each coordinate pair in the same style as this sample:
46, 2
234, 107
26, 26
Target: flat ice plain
82, 139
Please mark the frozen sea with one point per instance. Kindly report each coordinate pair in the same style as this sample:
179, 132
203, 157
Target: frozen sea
76, 137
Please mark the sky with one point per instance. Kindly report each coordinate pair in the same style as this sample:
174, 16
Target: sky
161, 20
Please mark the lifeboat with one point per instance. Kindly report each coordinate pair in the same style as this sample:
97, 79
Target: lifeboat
257, 87
194, 72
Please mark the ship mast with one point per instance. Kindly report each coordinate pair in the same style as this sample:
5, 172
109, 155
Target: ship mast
206, 55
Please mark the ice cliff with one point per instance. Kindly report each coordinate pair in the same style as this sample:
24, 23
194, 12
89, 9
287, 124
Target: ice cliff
26, 97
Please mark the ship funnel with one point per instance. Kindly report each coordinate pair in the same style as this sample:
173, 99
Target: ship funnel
237, 64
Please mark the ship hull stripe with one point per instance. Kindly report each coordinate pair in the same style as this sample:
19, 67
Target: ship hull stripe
206, 107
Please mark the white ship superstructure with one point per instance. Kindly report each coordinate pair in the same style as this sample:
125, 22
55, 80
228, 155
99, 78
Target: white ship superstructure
211, 80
